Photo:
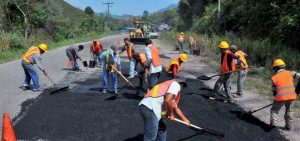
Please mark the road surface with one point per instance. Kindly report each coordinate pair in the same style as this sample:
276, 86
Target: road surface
84, 113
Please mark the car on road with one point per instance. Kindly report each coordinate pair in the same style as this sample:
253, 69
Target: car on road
153, 35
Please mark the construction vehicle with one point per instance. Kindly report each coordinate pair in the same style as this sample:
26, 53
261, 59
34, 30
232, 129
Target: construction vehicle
138, 36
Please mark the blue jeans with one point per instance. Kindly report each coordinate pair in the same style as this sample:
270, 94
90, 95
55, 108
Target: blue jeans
240, 81
106, 75
73, 59
30, 74
153, 79
154, 130
97, 58
181, 45
132, 72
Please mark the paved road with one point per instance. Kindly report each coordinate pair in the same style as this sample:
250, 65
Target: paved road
12, 77
83, 113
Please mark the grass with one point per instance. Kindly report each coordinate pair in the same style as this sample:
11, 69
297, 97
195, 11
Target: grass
14, 54
260, 56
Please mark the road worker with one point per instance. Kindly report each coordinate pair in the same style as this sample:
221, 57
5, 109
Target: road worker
110, 57
130, 49
242, 65
174, 66
227, 66
153, 62
159, 103
181, 40
284, 93
142, 70
95, 50
72, 53
192, 43
31, 57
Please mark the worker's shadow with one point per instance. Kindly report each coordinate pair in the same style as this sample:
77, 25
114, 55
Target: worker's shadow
138, 137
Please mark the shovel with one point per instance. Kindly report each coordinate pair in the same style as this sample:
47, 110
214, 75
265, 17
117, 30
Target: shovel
200, 129
251, 112
62, 89
123, 76
204, 77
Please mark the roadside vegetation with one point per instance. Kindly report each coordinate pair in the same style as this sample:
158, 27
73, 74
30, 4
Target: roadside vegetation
264, 30
24, 23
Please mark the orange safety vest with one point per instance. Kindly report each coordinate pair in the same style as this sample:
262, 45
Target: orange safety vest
242, 58
173, 62
129, 50
31, 51
285, 88
155, 55
224, 64
181, 38
97, 48
143, 58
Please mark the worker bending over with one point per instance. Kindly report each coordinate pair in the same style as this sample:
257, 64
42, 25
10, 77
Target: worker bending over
227, 66
95, 50
153, 62
31, 57
130, 49
181, 40
72, 53
284, 93
243, 66
110, 58
174, 66
159, 103
141, 59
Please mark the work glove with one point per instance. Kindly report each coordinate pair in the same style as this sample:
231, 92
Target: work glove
45, 73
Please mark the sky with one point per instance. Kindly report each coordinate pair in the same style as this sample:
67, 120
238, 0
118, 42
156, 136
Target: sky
120, 7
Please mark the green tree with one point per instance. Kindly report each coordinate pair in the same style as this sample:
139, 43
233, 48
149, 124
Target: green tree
88, 10
145, 16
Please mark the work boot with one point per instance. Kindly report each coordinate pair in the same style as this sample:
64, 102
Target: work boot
104, 91
130, 77
236, 95
287, 127
36, 90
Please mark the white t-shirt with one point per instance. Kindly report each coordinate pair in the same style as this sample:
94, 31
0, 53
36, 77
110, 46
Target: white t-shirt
156, 104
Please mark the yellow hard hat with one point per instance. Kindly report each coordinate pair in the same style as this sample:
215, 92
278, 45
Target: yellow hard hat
224, 45
43, 47
183, 57
181, 33
278, 62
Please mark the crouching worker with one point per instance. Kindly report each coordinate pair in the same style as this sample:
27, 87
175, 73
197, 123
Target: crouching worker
173, 67
284, 93
72, 53
141, 59
110, 58
159, 103
31, 57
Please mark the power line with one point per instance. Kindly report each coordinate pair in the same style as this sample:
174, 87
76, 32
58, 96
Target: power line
108, 7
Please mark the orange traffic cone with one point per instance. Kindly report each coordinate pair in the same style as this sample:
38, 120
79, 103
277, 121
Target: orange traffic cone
69, 65
8, 133
119, 41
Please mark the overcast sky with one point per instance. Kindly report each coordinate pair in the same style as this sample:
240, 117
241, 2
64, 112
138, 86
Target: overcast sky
120, 7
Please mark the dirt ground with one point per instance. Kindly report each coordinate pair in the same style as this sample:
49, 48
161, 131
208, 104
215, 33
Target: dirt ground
84, 113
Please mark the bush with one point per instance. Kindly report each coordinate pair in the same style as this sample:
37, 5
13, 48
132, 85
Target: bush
11, 41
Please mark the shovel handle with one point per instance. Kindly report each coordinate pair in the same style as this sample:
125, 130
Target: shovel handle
228, 72
251, 112
51, 80
123, 76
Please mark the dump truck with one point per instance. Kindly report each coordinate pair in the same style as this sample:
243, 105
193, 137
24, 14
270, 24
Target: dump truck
138, 35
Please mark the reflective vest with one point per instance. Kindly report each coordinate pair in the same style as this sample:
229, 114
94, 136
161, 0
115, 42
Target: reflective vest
155, 55
285, 88
31, 51
129, 50
97, 48
224, 64
107, 66
242, 58
173, 63
181, 38
143, 58
160, 90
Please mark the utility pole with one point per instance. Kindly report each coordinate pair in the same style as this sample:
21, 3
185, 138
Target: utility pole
108, 7
219, 9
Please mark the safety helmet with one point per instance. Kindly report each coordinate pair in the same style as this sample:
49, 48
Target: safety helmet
181, 33
183, 57
43, 47
94, 40
278, 63
224, 45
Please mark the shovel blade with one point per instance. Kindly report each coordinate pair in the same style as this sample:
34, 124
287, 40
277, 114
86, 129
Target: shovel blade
58, 90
